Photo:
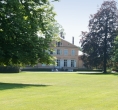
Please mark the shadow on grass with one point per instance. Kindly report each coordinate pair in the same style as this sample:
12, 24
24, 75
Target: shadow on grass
4, 86
115, 73
98, 73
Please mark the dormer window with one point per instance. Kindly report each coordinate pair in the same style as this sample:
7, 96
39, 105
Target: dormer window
58, 44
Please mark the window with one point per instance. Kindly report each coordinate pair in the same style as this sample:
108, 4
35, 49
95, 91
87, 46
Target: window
58, 44
43, 64
65, 63
72, 63
73, 52
65, 52
51, 52
58, 62
58, 52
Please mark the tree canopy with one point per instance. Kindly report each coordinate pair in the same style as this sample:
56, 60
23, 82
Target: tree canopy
115, 53
98, 42
27, 27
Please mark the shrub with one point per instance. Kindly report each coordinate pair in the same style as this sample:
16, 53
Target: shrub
36, 69
9, 69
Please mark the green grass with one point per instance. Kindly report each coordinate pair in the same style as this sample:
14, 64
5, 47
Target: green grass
58, 91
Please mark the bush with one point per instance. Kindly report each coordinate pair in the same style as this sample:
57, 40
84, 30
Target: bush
36, 69
9, 69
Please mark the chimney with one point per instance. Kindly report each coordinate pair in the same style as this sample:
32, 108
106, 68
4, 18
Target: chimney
73, 40
62, 35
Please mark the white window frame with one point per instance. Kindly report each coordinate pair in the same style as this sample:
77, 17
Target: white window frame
65, 51
72, 63
58, 62
58, 52
58, 44
43, 64
65, 63
73, 52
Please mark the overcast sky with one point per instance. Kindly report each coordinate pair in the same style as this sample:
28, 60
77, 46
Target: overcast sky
74, 15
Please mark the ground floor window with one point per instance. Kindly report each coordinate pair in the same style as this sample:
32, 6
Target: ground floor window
43, 64
58, 62
72, 63
65, 63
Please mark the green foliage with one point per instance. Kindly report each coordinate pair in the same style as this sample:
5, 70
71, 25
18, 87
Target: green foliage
97, 44
36, 69
80, 49
115, 54
26, 30
9, 69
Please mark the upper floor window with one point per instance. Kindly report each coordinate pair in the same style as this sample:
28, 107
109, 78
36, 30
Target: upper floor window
58, 51
65, 52
73, 52
51, 52
43, 64
58, 44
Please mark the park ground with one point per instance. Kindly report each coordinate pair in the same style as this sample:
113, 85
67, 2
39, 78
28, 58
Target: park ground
58, 91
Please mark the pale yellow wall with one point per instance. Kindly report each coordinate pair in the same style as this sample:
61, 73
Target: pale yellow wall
69, 47
80, 62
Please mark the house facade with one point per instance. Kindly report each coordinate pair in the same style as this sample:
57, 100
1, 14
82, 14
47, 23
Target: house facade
67, 56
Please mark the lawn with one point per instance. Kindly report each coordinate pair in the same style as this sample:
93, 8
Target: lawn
58, 91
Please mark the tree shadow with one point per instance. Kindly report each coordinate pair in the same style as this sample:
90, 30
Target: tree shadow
97, 73
115, 73
4, 86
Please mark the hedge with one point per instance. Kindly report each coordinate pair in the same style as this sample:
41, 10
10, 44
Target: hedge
9, 69
36, 69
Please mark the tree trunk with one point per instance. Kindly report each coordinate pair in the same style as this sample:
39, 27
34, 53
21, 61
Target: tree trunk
105, 48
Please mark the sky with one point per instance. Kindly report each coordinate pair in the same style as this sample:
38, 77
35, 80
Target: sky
73, 16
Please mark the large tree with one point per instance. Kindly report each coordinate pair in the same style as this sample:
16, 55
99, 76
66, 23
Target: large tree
98, 42
27, 27
115, 54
